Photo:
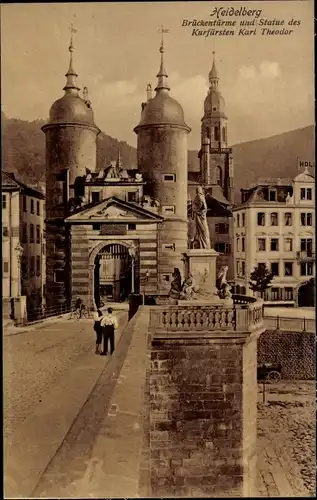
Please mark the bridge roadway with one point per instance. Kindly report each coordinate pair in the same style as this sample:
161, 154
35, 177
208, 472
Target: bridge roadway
56, 395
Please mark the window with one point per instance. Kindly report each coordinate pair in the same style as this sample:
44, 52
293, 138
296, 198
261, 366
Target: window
306, 245
238, 244
219, 175
288, 268
238, 267
168, 209
261, 219
32, 265
38, 211
24, 203
131, 227
5, 231
32, 233
261, 244
288, 245
24, 233
243, 268
224, 134
222, 228
4, 201
38, 265
288, 293
95, 196
223, 248
306, 219
96, 227
32, 206
217, 138
243, 219
274, 244
274, 219
275, 268
288, 219
24, 267
243, 244
275, 293
272, 195
305, 194
38, 234
132, 196
59, 276
169, 177
238, 220
262, 265
166, 278
306, 269
5, 266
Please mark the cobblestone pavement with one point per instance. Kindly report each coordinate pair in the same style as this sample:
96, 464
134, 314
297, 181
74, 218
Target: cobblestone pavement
48, 374
286, 440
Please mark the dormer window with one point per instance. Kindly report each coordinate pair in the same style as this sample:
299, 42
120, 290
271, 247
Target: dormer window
95, 196
272, 195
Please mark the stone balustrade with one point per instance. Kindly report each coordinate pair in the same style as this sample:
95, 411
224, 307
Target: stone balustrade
207, 318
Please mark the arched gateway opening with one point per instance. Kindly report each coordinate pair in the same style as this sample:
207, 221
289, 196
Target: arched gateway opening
115, 274
306, 294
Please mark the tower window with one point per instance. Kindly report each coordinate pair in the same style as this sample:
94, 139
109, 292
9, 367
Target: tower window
168, 209
219, 175
169, 177
95, 196
169, 246
224, 138
4, 201
5, 232
59, 276
208, 133
5, 266
217, 134
132, 196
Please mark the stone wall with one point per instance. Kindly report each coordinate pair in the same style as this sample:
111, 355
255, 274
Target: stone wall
200, 398
294, 350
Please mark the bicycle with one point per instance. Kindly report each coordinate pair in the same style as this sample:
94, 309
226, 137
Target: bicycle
79, 313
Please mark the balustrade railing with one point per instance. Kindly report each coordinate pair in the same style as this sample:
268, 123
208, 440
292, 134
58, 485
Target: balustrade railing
172, 318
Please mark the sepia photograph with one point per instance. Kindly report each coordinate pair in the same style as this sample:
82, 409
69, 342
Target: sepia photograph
158, 249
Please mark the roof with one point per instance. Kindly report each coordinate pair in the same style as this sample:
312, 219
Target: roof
126, 211
10, 183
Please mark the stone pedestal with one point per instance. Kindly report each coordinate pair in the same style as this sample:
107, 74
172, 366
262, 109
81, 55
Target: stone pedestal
201, 264
203, 392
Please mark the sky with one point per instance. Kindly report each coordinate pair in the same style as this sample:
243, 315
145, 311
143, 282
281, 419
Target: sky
267, 81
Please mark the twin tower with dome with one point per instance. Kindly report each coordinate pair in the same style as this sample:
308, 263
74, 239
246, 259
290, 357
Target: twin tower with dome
113, 230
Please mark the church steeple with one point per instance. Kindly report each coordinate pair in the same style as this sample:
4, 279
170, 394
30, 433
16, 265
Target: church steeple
71, 75
162, 75
213, 74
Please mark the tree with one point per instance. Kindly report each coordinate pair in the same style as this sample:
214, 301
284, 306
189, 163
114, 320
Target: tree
260, 279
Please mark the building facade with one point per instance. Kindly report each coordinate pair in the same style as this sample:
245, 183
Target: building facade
216, 172
275, 225
23, 271
112, 231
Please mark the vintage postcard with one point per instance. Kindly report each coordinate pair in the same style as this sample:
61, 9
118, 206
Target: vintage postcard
158, 249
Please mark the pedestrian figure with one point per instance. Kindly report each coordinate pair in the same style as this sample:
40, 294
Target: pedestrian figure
98, 329
109, 324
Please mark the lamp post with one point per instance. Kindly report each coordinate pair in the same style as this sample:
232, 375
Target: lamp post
132, 253
19, 252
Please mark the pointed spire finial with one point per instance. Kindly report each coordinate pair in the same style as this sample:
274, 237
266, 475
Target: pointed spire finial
71, 74
162, 74
213, 74
119, 162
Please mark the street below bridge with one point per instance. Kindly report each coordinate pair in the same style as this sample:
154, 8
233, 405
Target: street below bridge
49, 375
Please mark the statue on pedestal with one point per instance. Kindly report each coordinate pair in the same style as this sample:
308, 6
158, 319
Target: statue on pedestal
199, 214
